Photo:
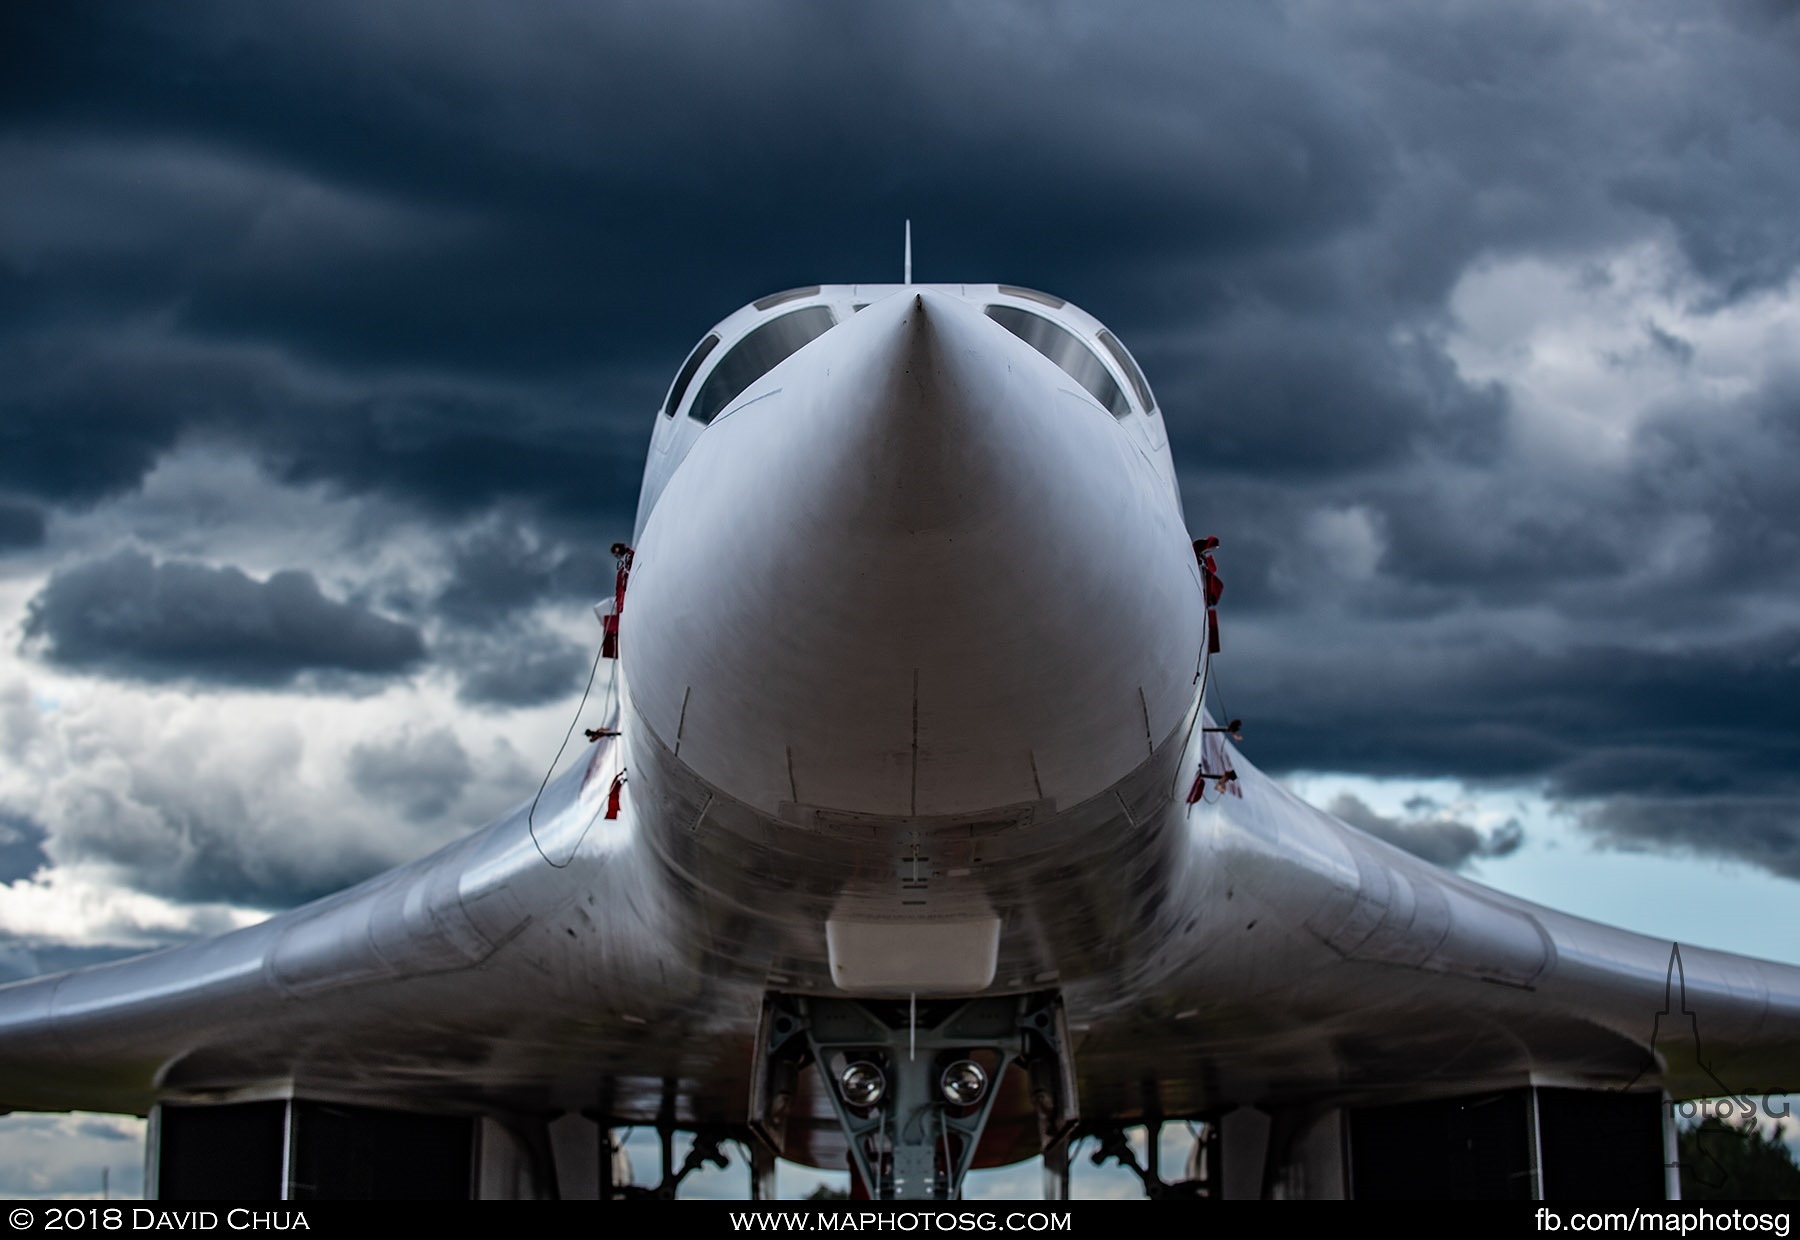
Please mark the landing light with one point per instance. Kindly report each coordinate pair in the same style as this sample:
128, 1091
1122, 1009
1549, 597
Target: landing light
862, 1083
963, 1083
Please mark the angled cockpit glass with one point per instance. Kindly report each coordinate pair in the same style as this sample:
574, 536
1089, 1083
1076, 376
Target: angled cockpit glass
756, 355
1068, 351
1129, 365
1031, 294
679, 388
786, 295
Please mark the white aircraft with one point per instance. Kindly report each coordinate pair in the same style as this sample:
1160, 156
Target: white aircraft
906, 843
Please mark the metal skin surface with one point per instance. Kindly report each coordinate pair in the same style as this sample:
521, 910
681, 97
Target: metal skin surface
912, 649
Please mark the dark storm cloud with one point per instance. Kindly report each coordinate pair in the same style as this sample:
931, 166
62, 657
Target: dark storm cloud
75, 428
479, 196
496, 569
212, 842
1764, 831
1692, 747
128, 614
21, 848
21, 526
483, 200
506, 573
1280, 394
507, 564
88, 419
1401, 706
1513, 547
1723, 168
1696, 523
1435, 837
453, 454
421, 774
525, 666
1731, 468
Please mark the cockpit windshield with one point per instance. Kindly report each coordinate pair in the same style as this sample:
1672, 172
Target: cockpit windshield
756, 355
679, 388
1129, 365
1068, 351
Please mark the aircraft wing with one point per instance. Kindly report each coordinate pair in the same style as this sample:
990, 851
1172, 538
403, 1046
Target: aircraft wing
451, 983
497, 978
1317, 962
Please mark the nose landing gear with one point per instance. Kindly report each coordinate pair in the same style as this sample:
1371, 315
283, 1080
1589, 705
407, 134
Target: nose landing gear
913, 1084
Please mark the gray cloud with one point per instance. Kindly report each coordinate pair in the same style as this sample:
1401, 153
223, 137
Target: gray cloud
131, 615
1763, 831
1321, 397
1648, 748
21, 847
506, 564
1435, 837
523, 666
206, 837
17, 961
1404, 708
100, 1130
498, 249
67, 1155
21, 526
421, 773
259, 801
76, 431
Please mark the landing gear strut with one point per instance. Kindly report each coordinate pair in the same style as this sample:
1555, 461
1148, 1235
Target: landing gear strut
912, 1084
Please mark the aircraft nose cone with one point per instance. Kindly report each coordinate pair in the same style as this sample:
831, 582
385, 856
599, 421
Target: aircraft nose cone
914, 572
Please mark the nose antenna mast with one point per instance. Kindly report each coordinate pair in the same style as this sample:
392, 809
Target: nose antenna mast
908, 279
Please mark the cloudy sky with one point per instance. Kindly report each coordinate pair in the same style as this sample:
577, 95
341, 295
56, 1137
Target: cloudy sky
331, 335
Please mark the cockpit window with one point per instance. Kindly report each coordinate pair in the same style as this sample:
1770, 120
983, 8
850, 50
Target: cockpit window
679, 388
756, 355
793, 294
1068, 351
1130, 368
1031, 294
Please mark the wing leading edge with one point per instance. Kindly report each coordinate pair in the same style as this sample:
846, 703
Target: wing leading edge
1309, 962
489, 975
